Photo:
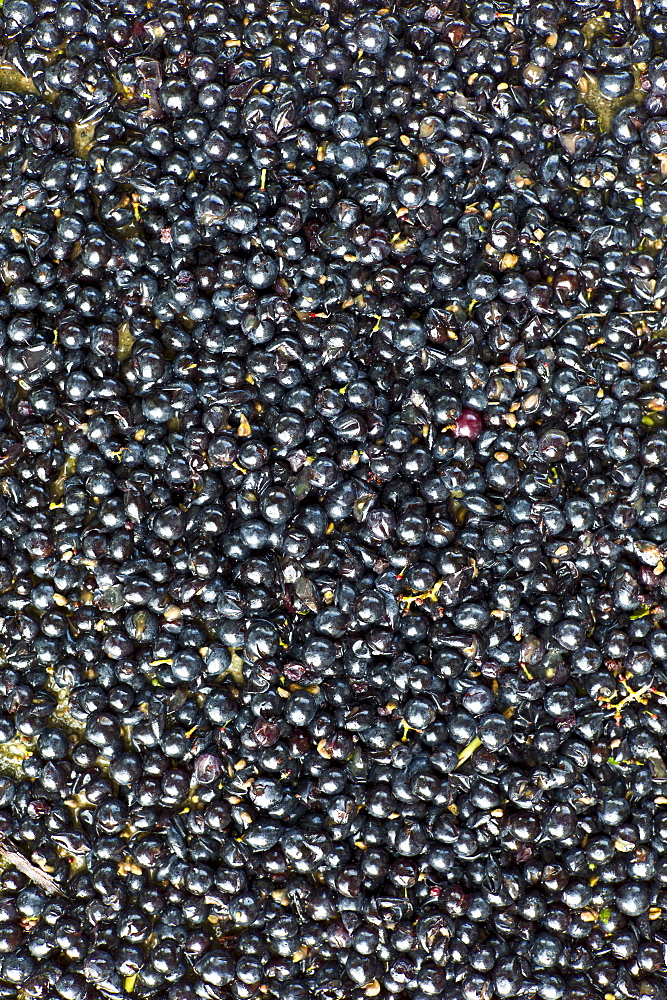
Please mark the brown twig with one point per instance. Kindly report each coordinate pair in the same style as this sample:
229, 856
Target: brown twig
27, 868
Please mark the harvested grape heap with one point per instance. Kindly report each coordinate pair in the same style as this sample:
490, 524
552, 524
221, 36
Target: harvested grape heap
333, 500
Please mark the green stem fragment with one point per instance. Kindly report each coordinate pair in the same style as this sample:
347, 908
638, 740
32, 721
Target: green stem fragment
475, 744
